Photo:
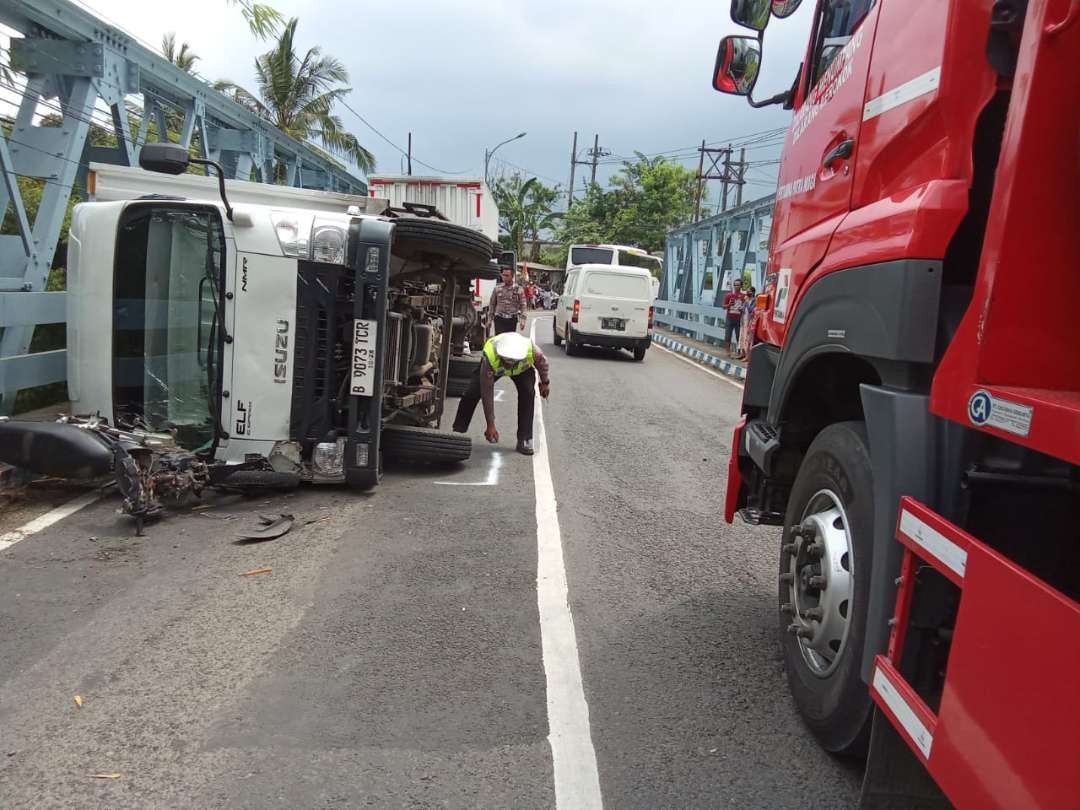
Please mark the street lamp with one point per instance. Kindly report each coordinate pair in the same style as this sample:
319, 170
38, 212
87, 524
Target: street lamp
489, 152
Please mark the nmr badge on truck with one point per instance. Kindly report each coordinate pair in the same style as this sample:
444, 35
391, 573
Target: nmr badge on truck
365, 341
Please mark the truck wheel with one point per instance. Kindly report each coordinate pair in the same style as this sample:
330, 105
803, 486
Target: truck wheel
417, 445
558, 338
824, 577
457, 386
464, 366
639, 352
420, 239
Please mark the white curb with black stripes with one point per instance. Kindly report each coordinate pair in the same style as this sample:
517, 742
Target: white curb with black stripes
694, 353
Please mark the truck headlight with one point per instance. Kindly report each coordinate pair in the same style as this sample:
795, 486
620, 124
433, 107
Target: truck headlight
329, 242
329, 458
293, 231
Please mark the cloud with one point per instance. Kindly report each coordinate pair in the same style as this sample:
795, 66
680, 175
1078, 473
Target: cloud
462, 76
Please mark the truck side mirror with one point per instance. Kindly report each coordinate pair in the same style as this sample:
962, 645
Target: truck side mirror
738, 61
752, 14
785, 8
166, 158
508, 259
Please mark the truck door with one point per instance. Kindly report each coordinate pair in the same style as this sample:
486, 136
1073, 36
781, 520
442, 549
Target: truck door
815, 183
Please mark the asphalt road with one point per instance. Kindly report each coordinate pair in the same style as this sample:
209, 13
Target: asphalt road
393, 656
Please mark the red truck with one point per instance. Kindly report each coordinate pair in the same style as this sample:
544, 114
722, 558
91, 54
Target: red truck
911, 416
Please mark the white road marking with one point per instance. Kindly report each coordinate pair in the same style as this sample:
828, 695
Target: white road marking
9, 539
577, 781
492, 475
699, 367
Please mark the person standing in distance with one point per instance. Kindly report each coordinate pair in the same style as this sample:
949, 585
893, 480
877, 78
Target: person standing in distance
508, 304
506, 355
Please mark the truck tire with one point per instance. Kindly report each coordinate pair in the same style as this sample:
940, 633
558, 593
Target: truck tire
254, 481
457, 386
825, 561
464, 366
417, 445
416, 238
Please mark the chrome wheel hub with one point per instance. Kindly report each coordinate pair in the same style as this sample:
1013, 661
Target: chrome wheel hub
817, 574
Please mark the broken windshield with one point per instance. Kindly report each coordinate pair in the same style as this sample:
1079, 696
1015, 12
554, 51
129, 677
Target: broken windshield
167, 329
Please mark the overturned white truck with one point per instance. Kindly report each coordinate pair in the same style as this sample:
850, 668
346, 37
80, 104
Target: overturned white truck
252, 336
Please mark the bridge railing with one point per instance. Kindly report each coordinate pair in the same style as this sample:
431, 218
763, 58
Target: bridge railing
704, 323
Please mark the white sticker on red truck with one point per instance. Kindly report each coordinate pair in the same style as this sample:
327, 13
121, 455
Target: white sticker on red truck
986, 410
783, 293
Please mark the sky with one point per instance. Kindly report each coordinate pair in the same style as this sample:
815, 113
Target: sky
463, 76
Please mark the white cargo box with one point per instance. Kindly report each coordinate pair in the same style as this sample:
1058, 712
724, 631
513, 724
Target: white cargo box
463, 200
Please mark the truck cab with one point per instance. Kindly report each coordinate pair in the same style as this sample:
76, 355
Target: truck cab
297, 333
900, 417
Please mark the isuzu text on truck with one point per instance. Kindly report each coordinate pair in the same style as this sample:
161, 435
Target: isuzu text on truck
911, 416
297, 336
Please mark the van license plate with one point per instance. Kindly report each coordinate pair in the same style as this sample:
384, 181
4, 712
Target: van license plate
365, 343
618, 324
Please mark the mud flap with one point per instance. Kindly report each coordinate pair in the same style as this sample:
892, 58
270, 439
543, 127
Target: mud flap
894, 778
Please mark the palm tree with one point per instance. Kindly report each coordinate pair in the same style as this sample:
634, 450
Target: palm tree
297, 95
525, 208
183, 57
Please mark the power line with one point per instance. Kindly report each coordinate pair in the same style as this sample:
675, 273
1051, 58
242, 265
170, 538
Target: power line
372, 127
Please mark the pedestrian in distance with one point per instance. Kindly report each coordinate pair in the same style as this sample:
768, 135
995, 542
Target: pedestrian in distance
733, 303
749, 324
508, 304
506, 355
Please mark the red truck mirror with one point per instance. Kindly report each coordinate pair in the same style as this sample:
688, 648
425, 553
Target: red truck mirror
785, 8
753, 14
738, 61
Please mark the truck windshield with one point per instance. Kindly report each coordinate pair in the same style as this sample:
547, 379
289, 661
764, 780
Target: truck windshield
166, 322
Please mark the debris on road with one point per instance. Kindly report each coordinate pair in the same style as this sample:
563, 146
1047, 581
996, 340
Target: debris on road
270, 527
106, 776
256, 572
78, 701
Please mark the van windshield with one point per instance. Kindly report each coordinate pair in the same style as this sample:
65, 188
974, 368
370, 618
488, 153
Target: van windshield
167, 331
591, 255
617, 285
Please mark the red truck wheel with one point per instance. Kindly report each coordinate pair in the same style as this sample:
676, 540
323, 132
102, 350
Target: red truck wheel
824, 571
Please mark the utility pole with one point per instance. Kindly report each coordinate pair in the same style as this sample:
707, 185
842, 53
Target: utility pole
410, 154
573, 166
731, 174
594, 154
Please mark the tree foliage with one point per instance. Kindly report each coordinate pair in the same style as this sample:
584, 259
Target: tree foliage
646, 199
524, 212
297, 95
183, 56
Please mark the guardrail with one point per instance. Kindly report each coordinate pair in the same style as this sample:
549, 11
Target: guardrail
699, 322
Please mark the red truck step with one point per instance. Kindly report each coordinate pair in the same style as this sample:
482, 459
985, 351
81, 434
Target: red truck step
1007, 734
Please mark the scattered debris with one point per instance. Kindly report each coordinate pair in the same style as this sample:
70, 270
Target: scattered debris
317, 520
256, 572
106, 776
202, 506
270, 527
78, 701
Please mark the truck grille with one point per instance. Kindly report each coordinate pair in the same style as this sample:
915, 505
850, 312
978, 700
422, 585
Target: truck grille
324, 315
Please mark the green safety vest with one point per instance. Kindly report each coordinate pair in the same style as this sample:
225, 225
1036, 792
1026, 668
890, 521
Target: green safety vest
496, 366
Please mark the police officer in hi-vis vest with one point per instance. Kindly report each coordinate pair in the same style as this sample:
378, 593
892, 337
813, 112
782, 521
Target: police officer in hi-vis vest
507, 355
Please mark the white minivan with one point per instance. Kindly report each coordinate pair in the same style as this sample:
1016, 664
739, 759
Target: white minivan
605, 305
